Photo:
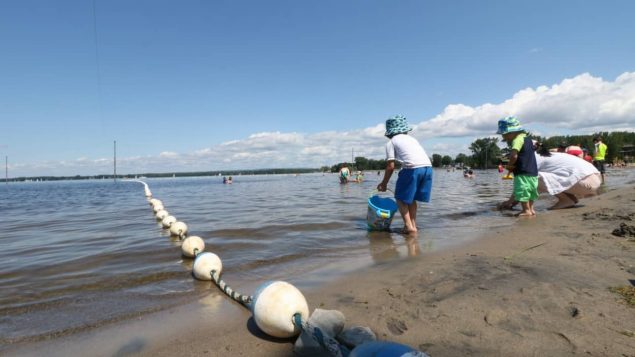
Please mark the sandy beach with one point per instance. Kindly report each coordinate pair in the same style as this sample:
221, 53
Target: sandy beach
540, 288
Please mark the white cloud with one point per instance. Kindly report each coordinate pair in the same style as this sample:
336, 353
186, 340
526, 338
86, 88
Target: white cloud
582, 104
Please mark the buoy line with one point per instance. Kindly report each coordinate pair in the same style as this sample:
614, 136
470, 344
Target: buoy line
278, 308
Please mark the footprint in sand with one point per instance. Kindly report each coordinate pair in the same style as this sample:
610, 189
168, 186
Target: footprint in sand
396, 327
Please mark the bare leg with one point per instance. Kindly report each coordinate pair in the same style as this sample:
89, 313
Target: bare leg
564, 201
412, 209
531, 207
526, 210
572, 197
405, 215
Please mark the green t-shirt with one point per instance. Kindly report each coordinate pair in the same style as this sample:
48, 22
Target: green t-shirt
600, 152
518, 142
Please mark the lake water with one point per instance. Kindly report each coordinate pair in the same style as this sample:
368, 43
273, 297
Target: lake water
80, 254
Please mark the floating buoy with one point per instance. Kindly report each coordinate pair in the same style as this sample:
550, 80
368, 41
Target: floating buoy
192, 245
162, 214
178, 229
167, 221
385, 349
147, 191
157, 207
274, 305
204, 264
155, 201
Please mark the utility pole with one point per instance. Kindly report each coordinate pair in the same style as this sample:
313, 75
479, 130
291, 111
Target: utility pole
486, 150
115, 162
352, 155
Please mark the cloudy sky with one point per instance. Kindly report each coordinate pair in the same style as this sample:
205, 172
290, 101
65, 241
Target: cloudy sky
213, 85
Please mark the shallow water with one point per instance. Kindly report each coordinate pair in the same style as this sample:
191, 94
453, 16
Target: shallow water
80, 254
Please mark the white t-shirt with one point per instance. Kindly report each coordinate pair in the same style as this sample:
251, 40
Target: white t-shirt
561, 171
407, 150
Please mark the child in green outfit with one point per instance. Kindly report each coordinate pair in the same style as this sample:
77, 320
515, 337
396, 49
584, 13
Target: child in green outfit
522, 163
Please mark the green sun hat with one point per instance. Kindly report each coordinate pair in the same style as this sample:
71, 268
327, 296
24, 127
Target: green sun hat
397, 125
509, 125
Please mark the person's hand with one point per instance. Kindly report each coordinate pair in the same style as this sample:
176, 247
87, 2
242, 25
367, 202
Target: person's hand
381, 187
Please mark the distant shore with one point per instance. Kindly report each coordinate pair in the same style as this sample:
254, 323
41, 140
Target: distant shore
539, 288
165, 174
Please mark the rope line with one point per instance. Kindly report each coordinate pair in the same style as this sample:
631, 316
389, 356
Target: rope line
328, 343
243, 299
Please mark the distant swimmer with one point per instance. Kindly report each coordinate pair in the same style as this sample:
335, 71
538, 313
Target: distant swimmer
345, 173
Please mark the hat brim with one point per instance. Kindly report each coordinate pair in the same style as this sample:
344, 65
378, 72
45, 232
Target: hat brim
514, 130
397, 131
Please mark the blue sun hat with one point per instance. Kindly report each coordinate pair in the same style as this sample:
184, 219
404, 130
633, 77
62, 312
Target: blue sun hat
509, 125
397, 125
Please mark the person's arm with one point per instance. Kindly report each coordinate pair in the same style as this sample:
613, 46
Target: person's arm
390, 168
512, 160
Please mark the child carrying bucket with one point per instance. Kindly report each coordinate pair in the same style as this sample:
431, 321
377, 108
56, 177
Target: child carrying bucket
414, 182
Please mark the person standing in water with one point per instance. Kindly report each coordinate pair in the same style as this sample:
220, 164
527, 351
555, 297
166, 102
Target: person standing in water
522, 162
414, 182
345, 173
599, 154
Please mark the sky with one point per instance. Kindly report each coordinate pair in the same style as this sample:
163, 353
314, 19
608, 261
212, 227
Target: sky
213, 85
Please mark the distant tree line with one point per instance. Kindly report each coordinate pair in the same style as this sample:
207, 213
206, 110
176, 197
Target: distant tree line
166, 174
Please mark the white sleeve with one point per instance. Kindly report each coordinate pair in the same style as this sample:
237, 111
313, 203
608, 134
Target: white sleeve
390, 151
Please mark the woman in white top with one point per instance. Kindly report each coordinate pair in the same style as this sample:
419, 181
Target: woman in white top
565, 176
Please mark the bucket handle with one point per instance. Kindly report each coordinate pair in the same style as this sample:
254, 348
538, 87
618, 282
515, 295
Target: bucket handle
373, 192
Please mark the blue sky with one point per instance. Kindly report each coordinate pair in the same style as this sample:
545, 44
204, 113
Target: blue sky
206, 85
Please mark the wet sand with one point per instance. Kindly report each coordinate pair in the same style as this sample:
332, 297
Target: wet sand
540, 288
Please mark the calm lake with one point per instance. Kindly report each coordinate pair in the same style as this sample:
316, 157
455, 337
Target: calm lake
80, 254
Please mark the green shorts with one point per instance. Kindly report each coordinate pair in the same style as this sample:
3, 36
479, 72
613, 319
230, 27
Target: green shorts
525, 188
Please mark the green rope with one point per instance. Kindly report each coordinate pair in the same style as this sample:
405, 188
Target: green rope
243, 299
328, 343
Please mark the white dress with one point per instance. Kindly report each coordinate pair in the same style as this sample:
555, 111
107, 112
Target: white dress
560, 171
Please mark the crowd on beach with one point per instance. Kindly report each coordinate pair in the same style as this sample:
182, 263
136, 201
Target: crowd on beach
568, 172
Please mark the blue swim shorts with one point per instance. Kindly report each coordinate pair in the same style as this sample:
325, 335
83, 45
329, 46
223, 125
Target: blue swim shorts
414, 184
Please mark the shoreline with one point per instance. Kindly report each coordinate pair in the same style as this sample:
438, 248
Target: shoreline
537, 288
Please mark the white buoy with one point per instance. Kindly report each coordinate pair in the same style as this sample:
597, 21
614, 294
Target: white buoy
162, 214
147, 191
178, 229
274, 305
167, 221
157, 207
204, 264
154, 201
192, 245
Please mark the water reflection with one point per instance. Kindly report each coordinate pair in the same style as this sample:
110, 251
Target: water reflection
388, 246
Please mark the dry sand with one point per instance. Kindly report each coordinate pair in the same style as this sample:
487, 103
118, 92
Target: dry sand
538, 289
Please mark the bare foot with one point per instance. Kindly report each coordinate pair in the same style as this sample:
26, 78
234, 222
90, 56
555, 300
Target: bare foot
408, 231
525, 214
562, 204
